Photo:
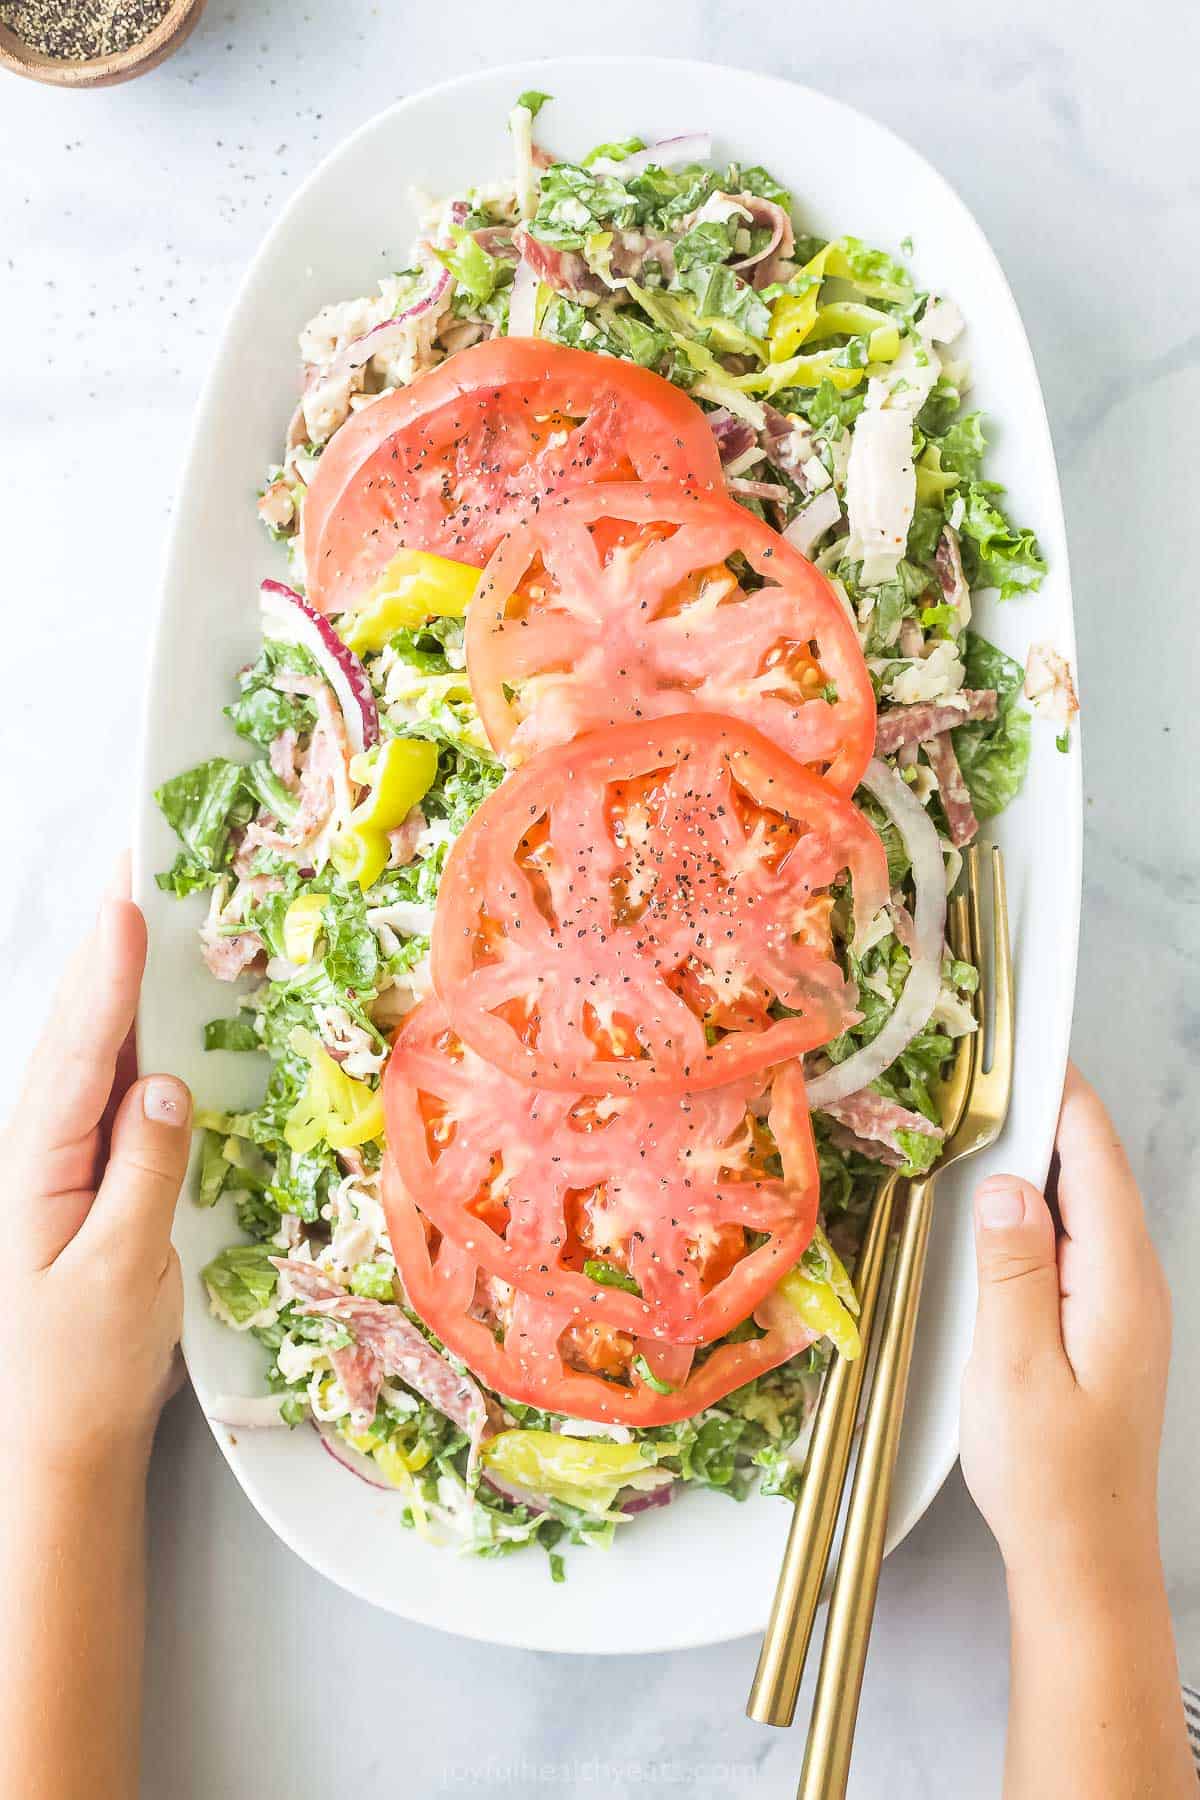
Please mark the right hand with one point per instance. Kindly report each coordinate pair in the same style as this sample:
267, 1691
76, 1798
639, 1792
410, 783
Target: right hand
1062, 1405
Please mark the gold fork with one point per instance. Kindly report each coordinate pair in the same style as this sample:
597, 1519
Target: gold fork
814, 1520
852, 1604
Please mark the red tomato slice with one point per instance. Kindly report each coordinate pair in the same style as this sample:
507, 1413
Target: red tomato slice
535, 1350
620, 604
627, 910
477, 445
660, 1189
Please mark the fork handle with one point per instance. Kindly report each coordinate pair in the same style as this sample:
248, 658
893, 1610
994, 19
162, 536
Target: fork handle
814, 1520
852, 1604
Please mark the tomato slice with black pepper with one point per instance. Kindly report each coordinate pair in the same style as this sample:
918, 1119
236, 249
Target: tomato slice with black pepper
650, 906
625, 603
477, 446
541, 1351
664, 1216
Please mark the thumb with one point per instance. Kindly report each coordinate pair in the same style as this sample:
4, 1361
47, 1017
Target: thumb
1017, 1259
148, 1159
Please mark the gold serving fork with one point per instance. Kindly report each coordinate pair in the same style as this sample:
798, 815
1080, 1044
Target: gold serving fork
814, 1520
852, 1603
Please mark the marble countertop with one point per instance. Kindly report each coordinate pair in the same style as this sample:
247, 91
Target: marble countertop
126, 217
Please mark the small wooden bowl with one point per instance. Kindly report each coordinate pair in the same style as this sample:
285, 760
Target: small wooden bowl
102, 71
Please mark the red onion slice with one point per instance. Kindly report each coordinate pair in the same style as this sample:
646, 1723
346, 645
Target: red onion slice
733, 436
392, 332
367, 1470
522, 302
246, 1412
639, 1500
291, 618
668, 153
919, 996
534, 1504
631, 1500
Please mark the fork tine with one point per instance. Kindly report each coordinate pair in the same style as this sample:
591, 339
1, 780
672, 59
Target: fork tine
999, 1072
958, 928
974, 951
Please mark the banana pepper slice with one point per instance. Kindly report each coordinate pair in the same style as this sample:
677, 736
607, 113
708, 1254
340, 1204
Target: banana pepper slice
823, 1294
302, 926
398, 774
415, 586
332, 1107
582, 1471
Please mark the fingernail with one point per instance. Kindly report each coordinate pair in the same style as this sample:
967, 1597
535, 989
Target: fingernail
999, 1207
166, 1101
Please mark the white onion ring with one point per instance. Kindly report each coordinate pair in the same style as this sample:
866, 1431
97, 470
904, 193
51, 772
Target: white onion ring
814, 520
297, 622
522, 302
921, 990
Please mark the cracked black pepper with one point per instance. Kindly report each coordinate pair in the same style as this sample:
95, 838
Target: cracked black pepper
78, 30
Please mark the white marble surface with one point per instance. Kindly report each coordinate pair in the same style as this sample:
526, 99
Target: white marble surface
125, 220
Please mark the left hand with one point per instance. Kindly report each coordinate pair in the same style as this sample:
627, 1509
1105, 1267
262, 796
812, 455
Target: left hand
91, 1165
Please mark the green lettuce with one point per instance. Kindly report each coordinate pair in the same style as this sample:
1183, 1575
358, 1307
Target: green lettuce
202, 806
963, 446
1005, 557
826, 406
477, 272
231, 1034
705, 244
264, 785
351, 947
876, 273
241, 1280
721, 294
213, 1168
262, 712
757, 180
574, 203
993, 754
374, 1280
606, 1274
614, 152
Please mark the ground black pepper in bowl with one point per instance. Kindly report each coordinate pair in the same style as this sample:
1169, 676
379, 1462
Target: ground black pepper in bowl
78, 30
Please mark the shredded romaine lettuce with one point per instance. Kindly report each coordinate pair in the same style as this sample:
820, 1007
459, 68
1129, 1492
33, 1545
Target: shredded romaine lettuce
817, 354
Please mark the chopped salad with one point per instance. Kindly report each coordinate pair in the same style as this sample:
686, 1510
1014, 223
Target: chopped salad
610, 752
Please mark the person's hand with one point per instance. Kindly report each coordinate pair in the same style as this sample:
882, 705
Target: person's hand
1063, 1399
91, 1165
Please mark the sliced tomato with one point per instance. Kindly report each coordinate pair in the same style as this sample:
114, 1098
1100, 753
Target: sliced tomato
626, 603
640, 907
535, 1349
477, 446
638, 1209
